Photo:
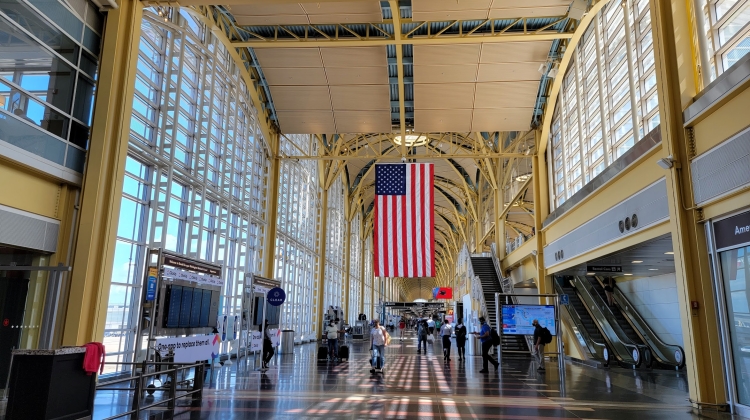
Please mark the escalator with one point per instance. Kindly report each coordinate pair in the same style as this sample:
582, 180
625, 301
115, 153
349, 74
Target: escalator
484, 268
585, 329
619, 347
638, 330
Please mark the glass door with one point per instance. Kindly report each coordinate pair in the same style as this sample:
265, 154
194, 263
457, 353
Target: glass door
733, 265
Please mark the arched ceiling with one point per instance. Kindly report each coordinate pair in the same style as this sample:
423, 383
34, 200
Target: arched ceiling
468, 78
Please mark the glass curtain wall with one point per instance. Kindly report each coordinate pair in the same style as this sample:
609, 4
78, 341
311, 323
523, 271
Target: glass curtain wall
355, 269
605, 93
48, 70
335, 232
196, 171
296, 244
369, 279
727, 31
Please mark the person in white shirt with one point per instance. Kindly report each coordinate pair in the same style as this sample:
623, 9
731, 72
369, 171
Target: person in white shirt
445, 331
378, 335
332, 334
431, 325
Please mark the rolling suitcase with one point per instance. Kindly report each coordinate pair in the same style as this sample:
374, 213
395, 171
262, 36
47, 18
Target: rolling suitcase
344, 353
322, 353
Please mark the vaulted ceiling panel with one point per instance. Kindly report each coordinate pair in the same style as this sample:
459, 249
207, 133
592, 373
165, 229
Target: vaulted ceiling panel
437, 55
515, 52
357, 75
503, 72
354, 56
287, 76
298, 98
502, 119
457, 73
289, 57
363, 121
360, 97
306, 122
444, 96
506, 94
442, 120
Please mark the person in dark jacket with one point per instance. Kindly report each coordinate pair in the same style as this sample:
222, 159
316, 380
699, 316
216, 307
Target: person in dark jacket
267, 346
461, 339
538, 344
486, 340
422, 331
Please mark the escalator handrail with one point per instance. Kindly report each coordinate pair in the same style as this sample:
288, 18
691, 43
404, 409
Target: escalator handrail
663, 352
596, 348
613, 334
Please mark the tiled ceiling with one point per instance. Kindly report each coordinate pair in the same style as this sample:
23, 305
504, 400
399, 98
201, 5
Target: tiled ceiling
486, 9
480, 87
305, 13
328, 90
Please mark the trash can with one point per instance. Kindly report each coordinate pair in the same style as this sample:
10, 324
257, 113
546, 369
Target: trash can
475, 346
287, 342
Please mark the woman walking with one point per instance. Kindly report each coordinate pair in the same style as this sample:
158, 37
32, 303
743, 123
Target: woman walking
461, 339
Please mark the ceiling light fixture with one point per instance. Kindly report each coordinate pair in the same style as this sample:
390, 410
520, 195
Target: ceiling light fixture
666, 163
627, 274
590, 274
412, 140
669, 253
522, 178
653, 269
637, 262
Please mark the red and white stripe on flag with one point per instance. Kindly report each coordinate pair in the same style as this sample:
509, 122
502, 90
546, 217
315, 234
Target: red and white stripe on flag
404, 234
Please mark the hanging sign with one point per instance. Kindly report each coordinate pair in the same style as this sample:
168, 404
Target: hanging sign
177, 274
177, 262
276, 296
153, 273
732, 232
604, 268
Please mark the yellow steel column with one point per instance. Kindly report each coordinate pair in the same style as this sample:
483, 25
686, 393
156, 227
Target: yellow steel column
322, 241
272, 206
676, 87
541, 210
345, 294
478, 247
102, 184
499, 221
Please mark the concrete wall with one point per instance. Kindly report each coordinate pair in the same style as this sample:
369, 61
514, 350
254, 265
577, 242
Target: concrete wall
655, 298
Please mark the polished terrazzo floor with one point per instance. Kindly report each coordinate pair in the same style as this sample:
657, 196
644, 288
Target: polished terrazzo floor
424, 387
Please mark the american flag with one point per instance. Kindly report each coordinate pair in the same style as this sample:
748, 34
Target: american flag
404, 220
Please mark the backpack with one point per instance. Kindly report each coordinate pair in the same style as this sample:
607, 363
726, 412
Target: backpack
494, 337
461, 332
546, 336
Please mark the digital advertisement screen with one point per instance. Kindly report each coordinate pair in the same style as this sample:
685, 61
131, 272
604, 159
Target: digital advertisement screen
195, 311
173, 306
517, 319
187, 300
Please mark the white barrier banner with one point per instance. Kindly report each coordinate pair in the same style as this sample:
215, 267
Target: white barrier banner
190, 349
175, 273
256, 339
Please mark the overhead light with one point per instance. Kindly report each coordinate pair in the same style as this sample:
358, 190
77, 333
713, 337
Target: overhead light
522, 178
627, 274
666, 163
590, 274
543, 67
553, 72
669, 253
653, 269
637, 262
412, 140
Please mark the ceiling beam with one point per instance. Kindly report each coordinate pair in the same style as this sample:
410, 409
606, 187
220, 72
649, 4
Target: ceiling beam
474, 155
396, 11
378, 38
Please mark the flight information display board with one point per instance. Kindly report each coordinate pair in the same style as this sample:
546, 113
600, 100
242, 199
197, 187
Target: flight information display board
187, 303
205, 308
195, 310
517, 319
174, 300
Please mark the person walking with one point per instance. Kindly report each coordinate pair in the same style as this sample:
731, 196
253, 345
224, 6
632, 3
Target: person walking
486, 340
401, 328
422, 331
267, 346
461, 339
609, 289
445, 331
539, 342
431, 326
378, 337
332, 334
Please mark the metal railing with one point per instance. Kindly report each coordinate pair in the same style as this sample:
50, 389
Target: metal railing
175, 389
506, 285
